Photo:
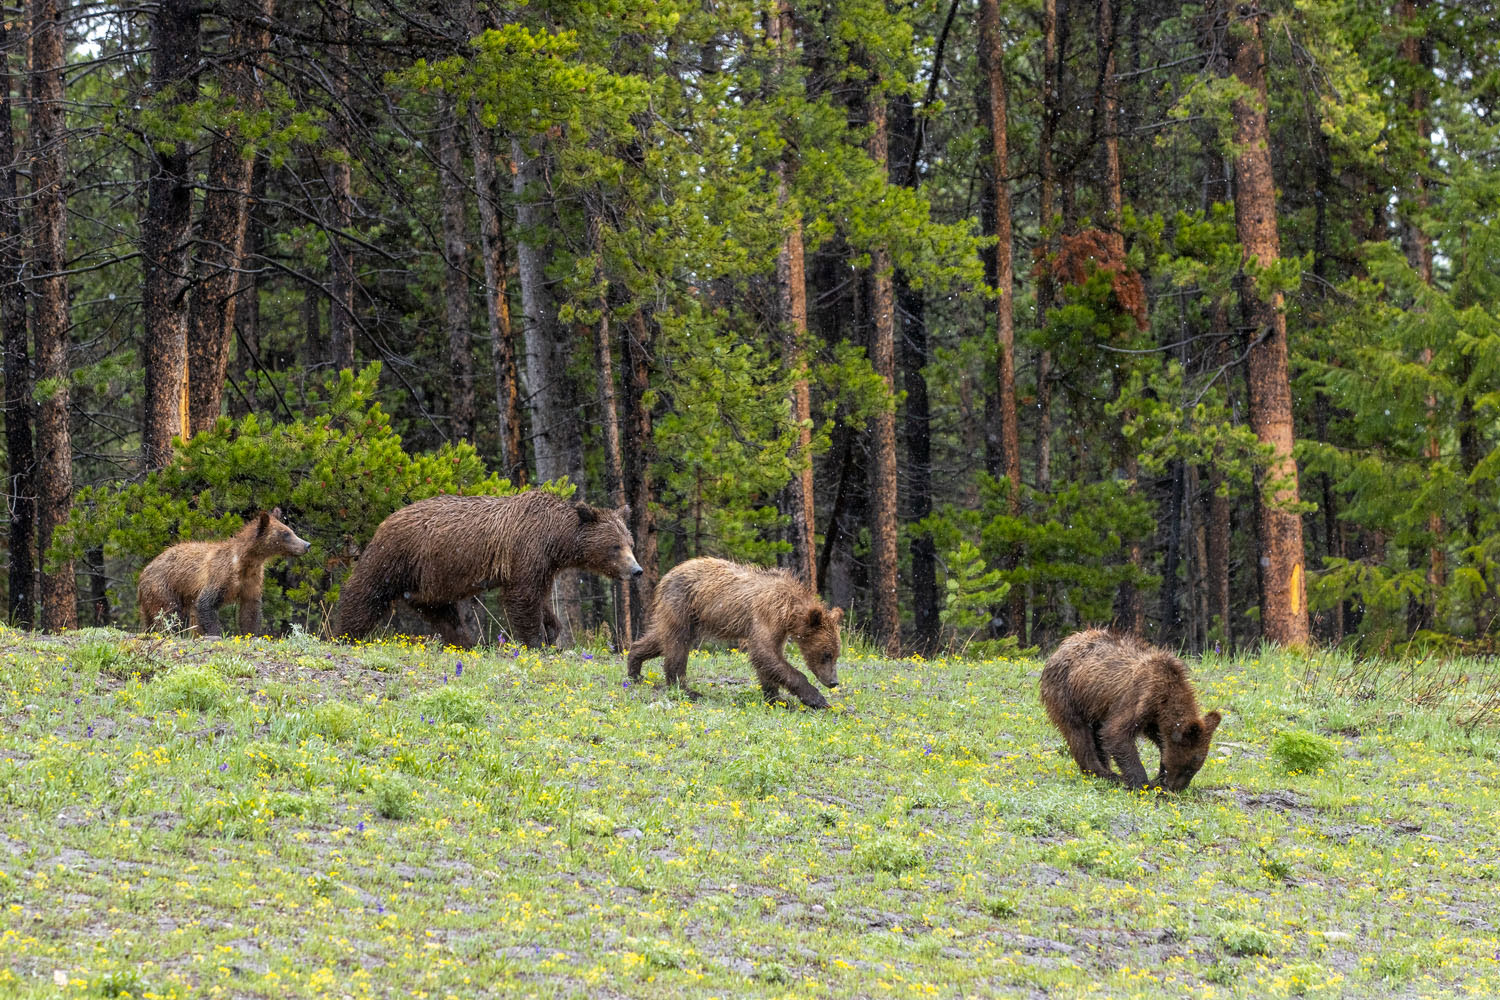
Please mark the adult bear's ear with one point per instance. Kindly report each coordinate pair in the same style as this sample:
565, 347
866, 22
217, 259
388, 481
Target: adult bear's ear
624, 513
1211, 722
586, 514
815, 618
262, 523
836, 616
276, 513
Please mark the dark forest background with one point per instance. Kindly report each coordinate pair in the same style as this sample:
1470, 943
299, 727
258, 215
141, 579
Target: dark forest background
993, 318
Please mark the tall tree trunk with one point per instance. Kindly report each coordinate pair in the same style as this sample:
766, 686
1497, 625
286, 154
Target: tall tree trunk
993, 62
222, 223
164, 237
553, 422
1279, 530
1132, 602
884, 484
51, 321
1047, 192
911, 307
640, 452
1416, 50
604, 371
497, 305
456, 275
20, 447
247, 314
791, 291
341, 325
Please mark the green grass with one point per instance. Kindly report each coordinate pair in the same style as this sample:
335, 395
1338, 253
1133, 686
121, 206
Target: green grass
247, 818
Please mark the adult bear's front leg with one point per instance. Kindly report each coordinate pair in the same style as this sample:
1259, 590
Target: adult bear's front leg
526, 618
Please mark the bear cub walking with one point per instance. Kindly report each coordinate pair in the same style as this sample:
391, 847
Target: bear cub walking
202, 576
757, 608
1105, 691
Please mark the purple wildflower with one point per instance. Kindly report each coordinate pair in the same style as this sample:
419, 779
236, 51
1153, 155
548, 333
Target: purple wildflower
223, 767
458, 671
361, 827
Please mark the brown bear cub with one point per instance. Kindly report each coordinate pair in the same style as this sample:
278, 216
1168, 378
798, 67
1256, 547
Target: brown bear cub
758, 608
440, 553
1104, 691
201, 576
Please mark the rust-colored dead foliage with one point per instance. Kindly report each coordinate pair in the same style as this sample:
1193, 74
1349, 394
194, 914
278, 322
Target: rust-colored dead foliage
1094, 249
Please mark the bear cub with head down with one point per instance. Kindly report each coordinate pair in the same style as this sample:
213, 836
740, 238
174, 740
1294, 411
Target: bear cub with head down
439, 554
201, 576
757, 608
1104, 691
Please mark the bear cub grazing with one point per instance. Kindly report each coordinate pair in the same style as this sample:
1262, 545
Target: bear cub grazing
758, 608
1104, 691
438, 554
201, 576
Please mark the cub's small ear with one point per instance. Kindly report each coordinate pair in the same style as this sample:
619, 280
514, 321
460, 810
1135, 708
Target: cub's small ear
276, 513
815, 618
262, 522
1211, 722
586, 514
836, 616
1191, 733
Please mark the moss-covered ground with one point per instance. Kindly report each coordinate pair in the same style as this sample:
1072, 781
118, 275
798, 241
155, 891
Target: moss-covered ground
258, 818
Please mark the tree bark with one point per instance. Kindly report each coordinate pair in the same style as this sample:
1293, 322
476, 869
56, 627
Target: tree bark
1279, 531
1416, 50
640, 453
993, 62
884, 485
1132, 602
223, 221
20, 446
51, 320
341, 325
553, 422
164, 237
791, 290
1047, 194
604, 371
247, 313
911, 307
456, 254
497, 305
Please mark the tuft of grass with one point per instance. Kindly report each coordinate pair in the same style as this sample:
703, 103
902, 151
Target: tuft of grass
1299, 751
452, 703
888, 852
1239, 938
1002, 907
394, 798
336, 720
195, 687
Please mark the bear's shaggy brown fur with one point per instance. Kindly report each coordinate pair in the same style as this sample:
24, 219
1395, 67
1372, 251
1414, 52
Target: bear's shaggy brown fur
759, 608
202, 576
439, 553
1104, 691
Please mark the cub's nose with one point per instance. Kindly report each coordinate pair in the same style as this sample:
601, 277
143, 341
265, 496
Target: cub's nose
832, 685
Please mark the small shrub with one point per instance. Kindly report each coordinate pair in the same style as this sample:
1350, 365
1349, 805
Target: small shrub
1244, 939
231, 665
775, 973
888, 852
1296, 750
394, 798
451, 703
1002, 907
193, 687
336, 720
756, 777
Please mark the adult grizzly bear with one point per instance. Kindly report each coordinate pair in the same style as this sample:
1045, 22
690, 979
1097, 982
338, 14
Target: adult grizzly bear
202, 576
438, 554
759, 608
1104, 691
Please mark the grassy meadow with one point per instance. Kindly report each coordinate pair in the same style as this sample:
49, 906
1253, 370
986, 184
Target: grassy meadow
257, 818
